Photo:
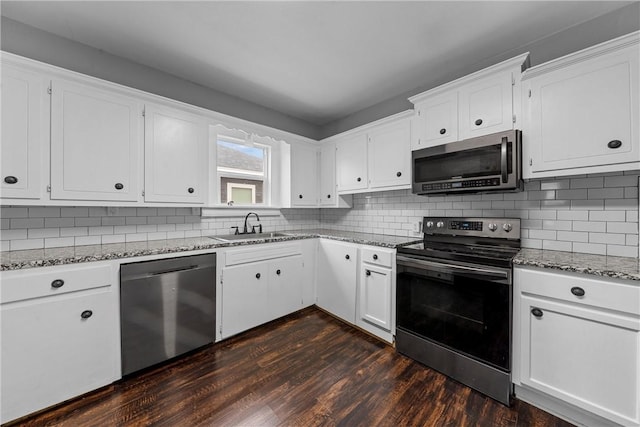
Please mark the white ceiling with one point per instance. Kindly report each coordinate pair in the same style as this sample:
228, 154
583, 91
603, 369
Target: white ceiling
316, 61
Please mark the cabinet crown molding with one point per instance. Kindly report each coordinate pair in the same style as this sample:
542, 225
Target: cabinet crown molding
363, 128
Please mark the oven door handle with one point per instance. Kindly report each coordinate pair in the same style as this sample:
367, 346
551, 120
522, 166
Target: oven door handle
452, 268
503, 159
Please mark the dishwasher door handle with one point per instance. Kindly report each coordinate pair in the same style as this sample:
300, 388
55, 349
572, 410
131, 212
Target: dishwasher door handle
173, 270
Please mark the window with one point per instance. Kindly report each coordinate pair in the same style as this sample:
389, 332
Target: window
242, 170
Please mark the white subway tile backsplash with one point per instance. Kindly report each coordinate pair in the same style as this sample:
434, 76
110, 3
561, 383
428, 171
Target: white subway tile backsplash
607, 238
113, 238
87, 240
556, 245
12, 212
618, 250
621, 180
40, 233
74, 231
44, 212
622, 227
591, 182
17, 234
590, 248
19, 245
58, 222
573, 215
88, 222
607, 216
556, 225
58, 242
27, 223
590, 226
573, 236
74, 212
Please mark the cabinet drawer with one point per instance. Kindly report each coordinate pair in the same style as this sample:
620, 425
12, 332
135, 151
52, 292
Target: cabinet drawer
609, 294
261, 253
21, 285
378, 256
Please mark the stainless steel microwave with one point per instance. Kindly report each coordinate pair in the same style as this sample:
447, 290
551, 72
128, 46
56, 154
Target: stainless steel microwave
486, 163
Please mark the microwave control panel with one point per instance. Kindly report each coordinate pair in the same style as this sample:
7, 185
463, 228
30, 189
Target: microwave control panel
453, 185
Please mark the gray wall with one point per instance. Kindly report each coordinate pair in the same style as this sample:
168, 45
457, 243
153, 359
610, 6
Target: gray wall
34, 43
606, 27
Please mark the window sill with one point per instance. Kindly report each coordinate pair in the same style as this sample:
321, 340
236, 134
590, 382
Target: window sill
238, 211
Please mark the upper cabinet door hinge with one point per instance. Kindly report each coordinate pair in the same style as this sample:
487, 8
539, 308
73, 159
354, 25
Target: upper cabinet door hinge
48, 189
143, 112
529, 93
513, 80
530, 161
49, 90
514, 118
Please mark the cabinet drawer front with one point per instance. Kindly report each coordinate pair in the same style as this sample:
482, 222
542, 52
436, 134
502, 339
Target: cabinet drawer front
378, 256
19, 285
261, 253
580, 289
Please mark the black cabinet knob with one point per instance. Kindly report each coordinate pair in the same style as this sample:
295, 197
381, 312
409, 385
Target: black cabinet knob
347, 257
10, 179
443, 131
257, 275
616, 143
119, 186
478, 122
57, 283
368, 272
536, 312
191, 190
375, 256
359, 179
577, 291
399, 174
86, 314
299, 196
328, 196
278, 272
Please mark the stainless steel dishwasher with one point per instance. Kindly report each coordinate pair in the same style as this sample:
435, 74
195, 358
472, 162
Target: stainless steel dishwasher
167, 307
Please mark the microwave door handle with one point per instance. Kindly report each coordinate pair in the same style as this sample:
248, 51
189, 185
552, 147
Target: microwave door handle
503, 159
449, 268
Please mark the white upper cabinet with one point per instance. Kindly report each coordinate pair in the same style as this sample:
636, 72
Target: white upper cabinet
389, 155
351, 163
582, 112
481, 103
304, 176
436, 121
176, 157
24, 135
95, 143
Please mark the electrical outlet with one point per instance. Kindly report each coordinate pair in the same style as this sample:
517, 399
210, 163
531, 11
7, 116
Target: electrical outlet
417, 227
112, 211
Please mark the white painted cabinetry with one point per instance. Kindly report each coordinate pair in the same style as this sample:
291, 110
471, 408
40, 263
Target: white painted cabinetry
304, 176
577, 339
96, 136
376, 291
351, 163
328, 195
24, 134
59, 327
435, 121
260, 284
583, 112
337, 278
175, 144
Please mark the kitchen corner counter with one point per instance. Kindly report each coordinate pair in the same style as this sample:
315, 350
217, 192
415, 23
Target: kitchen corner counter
17, 260
596, 265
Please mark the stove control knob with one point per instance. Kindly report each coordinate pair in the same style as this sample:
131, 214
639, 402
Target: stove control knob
493, 227
429, 224
507, 227
440, 224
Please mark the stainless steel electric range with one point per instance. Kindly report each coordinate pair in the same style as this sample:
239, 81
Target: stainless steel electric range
454, 300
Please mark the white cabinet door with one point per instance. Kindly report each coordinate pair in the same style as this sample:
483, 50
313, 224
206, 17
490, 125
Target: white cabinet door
304, 176
351, 163
585, 114
486, 106
328, 175
336, 289
584, 356
436, 121
175, 156
23, 133
389, 153
285, 286
50, 353
95, 143
244, 297
375, 295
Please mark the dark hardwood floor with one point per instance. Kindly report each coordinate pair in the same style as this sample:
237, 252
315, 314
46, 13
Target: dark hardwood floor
307, 369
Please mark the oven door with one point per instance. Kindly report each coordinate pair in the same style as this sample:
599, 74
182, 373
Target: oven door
463, 307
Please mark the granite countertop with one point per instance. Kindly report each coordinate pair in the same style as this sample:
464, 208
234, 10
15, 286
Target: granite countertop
596, 265
16, 260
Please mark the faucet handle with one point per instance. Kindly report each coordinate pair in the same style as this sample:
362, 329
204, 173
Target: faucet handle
253, 229
236, 232
260, 228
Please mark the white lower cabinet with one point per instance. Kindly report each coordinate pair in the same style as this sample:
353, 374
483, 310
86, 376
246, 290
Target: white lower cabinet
337, 278
578, 341
260, 284
57, 342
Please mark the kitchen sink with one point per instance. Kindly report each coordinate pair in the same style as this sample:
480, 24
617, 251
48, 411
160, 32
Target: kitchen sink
250, 236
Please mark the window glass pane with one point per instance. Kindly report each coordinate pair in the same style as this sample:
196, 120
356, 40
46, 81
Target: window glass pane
232, 155
242, 196
227, 196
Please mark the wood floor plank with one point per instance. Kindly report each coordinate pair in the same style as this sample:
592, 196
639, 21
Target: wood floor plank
307, 369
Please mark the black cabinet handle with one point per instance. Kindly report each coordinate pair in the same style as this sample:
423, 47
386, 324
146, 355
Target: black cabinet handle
359, 179
443, 131
86, 314
399, 174
328, 196
119, 186
368, 273
616, 143
300, 196
190, 190
537, 312
478, 122
375, 256
257, 275
278, 272
347, 256
57, 283
577, 291
10, 179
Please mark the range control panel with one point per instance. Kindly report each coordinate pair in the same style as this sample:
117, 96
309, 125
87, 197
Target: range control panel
481, 227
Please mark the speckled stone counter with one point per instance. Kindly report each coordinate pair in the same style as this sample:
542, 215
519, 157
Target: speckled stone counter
596, 265
16, 260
